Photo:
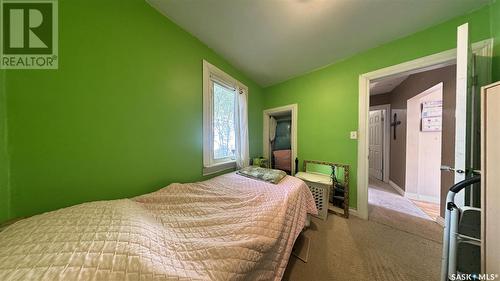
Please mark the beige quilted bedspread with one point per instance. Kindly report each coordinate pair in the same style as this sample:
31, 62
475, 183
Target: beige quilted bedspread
226, 228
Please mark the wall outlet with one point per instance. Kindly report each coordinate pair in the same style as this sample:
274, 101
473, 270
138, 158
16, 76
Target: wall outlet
354, 135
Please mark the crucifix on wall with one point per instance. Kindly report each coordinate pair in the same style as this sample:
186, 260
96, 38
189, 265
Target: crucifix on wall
395, 123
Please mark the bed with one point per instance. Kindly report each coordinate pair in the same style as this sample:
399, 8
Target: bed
226, 228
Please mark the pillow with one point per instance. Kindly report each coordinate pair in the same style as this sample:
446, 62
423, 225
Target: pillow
264, 174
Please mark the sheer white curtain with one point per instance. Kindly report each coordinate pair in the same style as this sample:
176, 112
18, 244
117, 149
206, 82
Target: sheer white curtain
272, 128
242, 150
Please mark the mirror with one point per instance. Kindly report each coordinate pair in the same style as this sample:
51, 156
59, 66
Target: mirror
339, 191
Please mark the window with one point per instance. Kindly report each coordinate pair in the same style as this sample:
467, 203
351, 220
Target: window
221, 119
223, 123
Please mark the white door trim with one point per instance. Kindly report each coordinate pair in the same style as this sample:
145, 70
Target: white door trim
461, 103
425, 63
387, 138
267, 113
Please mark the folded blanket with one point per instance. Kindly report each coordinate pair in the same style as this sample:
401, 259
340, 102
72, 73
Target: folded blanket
268, 175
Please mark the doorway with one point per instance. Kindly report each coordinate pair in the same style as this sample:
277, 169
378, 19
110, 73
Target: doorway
412, 112
280, 137
280, 131
446, 58
410, 200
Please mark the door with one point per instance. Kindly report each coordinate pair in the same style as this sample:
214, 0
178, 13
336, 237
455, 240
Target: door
376, 139
467, 117
491, 179
463, 110
423, 144
429, 145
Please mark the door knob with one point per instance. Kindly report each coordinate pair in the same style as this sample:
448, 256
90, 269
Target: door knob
450, 169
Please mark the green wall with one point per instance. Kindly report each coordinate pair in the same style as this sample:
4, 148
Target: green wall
328, 98
121, 116
495, 29
4, 159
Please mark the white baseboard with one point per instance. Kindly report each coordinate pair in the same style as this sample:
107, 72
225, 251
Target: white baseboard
397, 188
440, 221
425, 198
353, 212
414, 196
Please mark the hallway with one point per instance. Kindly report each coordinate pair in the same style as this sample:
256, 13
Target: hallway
388, 207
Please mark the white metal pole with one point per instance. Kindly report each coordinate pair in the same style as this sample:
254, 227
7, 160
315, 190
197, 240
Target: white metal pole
446, 238
452, 260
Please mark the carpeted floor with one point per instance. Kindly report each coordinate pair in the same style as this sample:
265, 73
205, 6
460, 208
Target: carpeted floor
398, 243
388, 207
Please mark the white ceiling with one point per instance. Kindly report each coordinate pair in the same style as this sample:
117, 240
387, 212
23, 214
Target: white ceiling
386, 85
274, 40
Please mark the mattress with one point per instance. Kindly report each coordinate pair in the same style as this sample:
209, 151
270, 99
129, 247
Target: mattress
227, 228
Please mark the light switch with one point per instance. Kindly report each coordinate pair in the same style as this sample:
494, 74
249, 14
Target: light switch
354, 135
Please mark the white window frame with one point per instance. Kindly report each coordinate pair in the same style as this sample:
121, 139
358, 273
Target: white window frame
210, 73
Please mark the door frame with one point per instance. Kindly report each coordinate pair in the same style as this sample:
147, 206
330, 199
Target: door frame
387, 139
267, 113
430, 62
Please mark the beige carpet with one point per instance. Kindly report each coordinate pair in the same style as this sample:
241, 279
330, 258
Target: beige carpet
388, 207
398, 243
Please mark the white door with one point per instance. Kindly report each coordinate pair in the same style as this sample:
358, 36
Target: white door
423, 149
491, 178
376, 138
464, 90
429, 153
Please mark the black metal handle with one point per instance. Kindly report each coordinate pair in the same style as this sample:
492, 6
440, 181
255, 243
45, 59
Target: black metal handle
450, 169
463, 184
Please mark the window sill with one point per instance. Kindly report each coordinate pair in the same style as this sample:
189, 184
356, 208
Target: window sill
219, 168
